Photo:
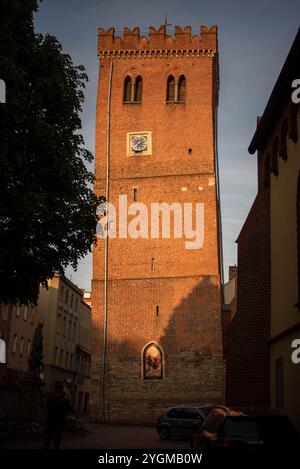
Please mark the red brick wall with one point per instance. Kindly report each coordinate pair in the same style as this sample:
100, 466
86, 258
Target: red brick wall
248, 355
185, 283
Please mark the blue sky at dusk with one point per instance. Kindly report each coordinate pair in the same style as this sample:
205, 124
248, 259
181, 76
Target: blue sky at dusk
254, 39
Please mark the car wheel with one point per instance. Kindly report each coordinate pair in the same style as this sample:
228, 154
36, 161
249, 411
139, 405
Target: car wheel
164, 433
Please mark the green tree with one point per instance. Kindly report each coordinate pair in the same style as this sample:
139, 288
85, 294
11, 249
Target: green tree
47, 207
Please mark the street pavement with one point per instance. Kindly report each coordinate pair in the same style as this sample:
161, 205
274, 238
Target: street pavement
106, 437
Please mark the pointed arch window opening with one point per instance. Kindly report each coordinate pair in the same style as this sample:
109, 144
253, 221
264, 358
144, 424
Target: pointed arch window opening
181, 89
152, 358
132, 90
171, 89
127, 90
176, 90
138, 89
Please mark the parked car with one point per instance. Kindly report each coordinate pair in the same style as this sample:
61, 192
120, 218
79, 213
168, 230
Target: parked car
246, 428
179, 421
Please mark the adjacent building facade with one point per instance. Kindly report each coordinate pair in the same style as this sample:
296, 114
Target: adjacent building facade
17, 326
66, 320
66, 332
157, 335
277, 138
260, 366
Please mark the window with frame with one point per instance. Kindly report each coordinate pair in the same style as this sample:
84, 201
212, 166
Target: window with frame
61, 357
138, 87
181, 89
4, 312
133, 89
171, 89
15, 344
21, 345
152, 362
127, 90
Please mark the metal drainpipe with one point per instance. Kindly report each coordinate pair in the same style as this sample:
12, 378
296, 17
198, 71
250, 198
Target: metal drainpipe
218, 191
106, 244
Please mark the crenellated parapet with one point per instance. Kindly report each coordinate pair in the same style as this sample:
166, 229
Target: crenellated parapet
157, 43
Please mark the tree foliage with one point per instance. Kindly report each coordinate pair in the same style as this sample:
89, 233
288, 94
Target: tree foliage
47, 207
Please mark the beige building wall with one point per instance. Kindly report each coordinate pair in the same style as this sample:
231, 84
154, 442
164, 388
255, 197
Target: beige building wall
24, 320
59, 309
285, 322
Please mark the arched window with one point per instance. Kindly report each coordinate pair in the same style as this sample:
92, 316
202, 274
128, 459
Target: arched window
138, 89
152, 362
181, 89
127, 90
171, 89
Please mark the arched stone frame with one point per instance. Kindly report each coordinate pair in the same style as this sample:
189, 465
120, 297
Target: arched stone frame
149, 371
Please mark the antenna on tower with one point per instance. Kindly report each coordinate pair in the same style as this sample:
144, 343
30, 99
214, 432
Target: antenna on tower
166, 24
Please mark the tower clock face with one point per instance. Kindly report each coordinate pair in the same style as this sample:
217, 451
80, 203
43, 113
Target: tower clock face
139, 143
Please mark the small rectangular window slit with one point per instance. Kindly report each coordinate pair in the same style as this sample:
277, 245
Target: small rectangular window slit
153, 264
135, 195
157, 310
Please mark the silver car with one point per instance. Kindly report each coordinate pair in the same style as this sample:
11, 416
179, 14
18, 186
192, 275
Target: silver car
180, 421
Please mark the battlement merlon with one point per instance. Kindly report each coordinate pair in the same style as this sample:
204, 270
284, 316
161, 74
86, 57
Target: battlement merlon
158, 40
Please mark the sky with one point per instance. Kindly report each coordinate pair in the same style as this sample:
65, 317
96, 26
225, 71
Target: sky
254, 39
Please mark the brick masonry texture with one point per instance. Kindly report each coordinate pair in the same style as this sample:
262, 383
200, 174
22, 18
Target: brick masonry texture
185, 284
248, 355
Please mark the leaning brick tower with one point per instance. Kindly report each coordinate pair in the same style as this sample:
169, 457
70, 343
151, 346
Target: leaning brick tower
156, 304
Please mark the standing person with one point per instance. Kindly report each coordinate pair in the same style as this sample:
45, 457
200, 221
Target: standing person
57, 407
